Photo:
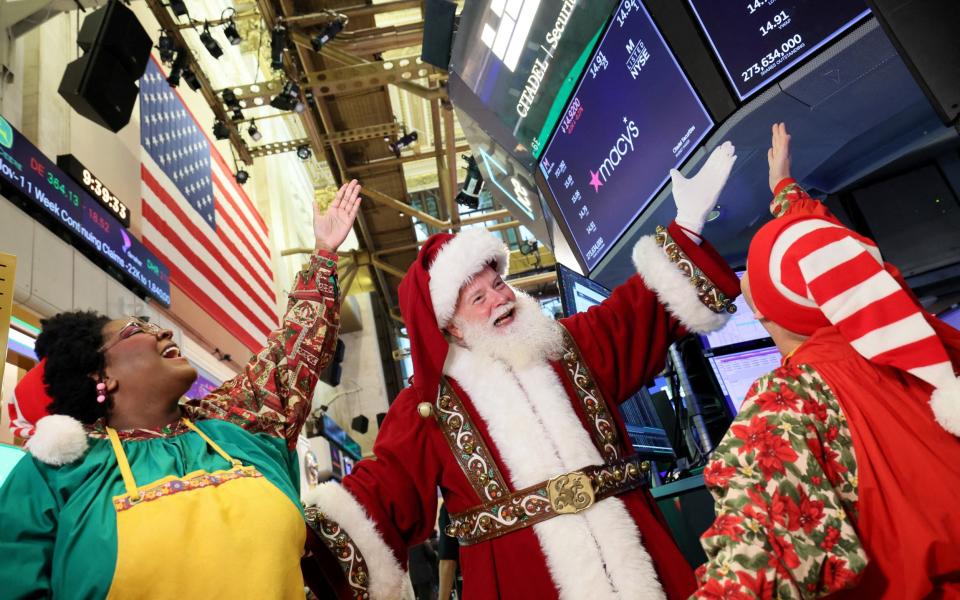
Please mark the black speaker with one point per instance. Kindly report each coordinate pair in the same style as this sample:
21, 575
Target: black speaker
101, 85
115, 28
439, 23
360, 424
97, 86
925, 34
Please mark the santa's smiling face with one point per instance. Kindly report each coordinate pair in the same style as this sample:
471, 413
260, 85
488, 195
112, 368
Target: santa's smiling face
493, 319
486, 299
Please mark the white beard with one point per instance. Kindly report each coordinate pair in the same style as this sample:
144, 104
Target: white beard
531, 337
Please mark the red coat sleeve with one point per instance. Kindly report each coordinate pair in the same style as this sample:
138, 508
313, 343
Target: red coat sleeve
625, 339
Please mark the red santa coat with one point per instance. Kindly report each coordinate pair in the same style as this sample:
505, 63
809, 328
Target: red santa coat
618, 548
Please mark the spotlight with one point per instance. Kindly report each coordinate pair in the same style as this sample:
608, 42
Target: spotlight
179, 7
253, 132
209, 43
178, 68
329, 31
237, 114
288, 98
278, 43
230, 98
403, 142
220, 130
167, 47
231, 33
304, 152
469, 195
242, 176
191, 78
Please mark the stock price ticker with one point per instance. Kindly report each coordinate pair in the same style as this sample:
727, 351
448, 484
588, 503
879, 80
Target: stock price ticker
758, 40
38, 181
634, 117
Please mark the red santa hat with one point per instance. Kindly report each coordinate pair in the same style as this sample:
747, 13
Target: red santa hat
29, 403
808, 271
429, 293
53, 439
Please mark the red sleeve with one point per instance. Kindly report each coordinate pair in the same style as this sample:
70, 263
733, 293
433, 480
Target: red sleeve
625, 339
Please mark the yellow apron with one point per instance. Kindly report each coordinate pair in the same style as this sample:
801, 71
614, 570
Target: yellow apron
226, 534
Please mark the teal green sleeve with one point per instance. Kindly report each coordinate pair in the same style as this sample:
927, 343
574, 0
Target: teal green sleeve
28, 526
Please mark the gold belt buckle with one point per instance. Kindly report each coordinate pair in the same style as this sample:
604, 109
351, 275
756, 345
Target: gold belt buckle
570, 493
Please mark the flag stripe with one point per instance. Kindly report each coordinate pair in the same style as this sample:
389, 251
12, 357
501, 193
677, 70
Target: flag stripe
241, 198
206, 253
194, 292
254, 251
259, 242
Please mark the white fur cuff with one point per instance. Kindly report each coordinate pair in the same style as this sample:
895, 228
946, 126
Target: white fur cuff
386, 574
945, 402
674, 288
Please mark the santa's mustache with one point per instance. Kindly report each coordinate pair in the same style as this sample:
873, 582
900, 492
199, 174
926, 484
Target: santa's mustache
501, 312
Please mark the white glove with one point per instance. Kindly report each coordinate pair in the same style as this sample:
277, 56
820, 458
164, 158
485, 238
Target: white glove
697, 196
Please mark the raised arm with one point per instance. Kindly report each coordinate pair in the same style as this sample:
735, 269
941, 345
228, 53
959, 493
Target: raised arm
682, 284
272, 395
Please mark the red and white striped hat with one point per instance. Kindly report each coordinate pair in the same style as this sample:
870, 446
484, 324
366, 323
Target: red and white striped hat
808, 271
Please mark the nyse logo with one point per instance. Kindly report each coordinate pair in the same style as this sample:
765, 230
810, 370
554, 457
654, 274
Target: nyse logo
505, 31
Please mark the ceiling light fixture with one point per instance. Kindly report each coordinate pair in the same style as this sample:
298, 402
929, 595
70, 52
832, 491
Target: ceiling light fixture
209, 43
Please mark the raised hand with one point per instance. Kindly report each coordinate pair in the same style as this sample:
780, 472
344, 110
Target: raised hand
778, 157
332, 227
696, 197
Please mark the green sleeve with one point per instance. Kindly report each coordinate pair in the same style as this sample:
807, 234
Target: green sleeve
28, 527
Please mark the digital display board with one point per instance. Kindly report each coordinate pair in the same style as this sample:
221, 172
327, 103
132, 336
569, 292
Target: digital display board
741, 327
31, 176
757, 40
737, 372
96, 188
519, 60
633, 117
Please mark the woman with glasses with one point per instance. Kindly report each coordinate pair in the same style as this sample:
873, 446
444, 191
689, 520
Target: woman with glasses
133, 492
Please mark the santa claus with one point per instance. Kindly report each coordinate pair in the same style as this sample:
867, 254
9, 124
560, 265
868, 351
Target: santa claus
513, 418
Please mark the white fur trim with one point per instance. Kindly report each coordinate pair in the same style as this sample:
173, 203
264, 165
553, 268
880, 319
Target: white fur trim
386, 574
596, 554
58, 440
945, 402
457, 262
674, 288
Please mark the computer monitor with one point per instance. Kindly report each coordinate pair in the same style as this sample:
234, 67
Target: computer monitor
742, 328
951, 316
579, 293
736, 372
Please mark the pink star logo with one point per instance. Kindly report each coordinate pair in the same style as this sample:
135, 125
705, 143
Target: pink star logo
595, 181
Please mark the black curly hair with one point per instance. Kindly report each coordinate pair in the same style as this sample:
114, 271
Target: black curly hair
71, 342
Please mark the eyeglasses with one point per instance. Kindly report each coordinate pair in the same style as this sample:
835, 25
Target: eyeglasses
132, 328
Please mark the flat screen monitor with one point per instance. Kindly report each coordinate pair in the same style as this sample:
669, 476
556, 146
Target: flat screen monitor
514, 64
579, 293
740, 329
951, 317
737, 372
633, 117
9, 457
756, 41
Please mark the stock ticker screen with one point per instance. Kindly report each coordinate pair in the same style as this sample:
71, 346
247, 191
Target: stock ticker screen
757, 40
41, 185
633, 117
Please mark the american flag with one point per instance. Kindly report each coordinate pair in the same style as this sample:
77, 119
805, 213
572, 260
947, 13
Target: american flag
198, 220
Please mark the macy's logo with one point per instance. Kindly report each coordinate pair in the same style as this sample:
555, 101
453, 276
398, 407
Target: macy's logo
622, 147
514, 18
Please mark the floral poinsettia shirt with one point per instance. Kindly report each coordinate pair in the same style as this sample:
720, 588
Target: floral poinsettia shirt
785, 483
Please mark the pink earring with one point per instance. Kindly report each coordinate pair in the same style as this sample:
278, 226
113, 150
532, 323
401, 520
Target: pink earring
101, 392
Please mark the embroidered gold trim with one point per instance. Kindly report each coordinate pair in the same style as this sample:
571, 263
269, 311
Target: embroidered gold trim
603, 431
468, 447
708, 293
344, 549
